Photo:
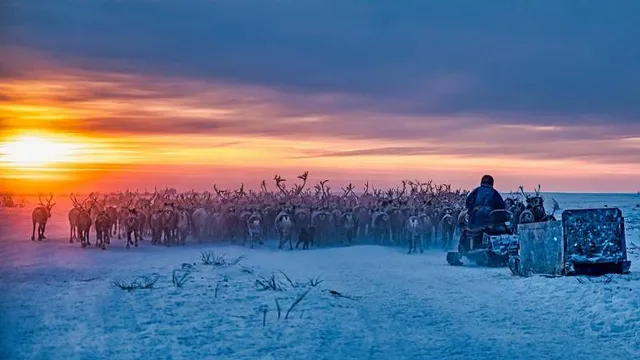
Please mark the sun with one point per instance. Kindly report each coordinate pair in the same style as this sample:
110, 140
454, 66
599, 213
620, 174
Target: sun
36, 151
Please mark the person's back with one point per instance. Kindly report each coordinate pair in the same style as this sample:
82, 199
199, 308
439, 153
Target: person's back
482, 201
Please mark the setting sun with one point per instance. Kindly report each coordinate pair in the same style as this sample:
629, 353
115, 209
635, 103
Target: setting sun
35, 151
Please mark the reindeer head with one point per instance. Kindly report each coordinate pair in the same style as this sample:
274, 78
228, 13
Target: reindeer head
47, 204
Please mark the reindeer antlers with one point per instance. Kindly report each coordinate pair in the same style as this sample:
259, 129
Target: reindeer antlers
77, 204
47, 200
296, 190
348, 190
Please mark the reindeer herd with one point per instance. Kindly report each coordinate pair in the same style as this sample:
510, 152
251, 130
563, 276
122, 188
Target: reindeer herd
416, 214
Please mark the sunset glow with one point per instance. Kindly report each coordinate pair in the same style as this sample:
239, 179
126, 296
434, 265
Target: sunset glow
52, 140
99, 113
36, 151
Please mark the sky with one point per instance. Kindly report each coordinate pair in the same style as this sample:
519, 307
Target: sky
108, 94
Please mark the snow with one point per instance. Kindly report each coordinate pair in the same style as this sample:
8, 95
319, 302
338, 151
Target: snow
58, 301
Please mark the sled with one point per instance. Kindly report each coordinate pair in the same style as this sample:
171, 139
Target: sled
584, 242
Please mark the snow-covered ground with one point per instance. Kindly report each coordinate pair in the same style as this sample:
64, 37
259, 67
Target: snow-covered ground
58, 301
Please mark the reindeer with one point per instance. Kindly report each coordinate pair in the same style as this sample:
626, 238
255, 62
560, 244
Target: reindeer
80, 218
142, 222
103, 229
381, 226
94, 207
169, 222
200, 218
284, 227
306, 237
447, 228
349, 226
414, 230
40, 216
182, 225
73, 220
132, 227
363, 219
112, 213
427, 227
155, 223
254, 228
320, 221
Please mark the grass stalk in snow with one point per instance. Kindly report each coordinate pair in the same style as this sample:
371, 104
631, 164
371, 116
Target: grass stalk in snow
178, 281
210, 258
264, 316
141, 283
313, 282
287, 277
268, 284
298, 300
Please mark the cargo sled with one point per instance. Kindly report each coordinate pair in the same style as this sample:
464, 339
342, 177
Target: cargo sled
585, 242
489, 246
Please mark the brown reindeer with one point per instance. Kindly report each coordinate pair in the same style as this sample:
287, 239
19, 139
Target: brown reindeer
103, 229
82, 221
155, 223
447, 229
132, 227
306, 237
40, 216
112, 213
169, 222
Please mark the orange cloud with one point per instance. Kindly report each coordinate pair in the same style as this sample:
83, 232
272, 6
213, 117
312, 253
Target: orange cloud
138, 130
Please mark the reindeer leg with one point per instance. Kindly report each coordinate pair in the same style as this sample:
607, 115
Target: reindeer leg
33, 232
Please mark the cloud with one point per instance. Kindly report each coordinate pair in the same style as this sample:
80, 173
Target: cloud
131, 105
588, 151
416, 57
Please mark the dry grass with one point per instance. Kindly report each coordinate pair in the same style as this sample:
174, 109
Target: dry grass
141, 283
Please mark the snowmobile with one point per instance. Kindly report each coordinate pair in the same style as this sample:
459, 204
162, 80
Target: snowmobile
490, 245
